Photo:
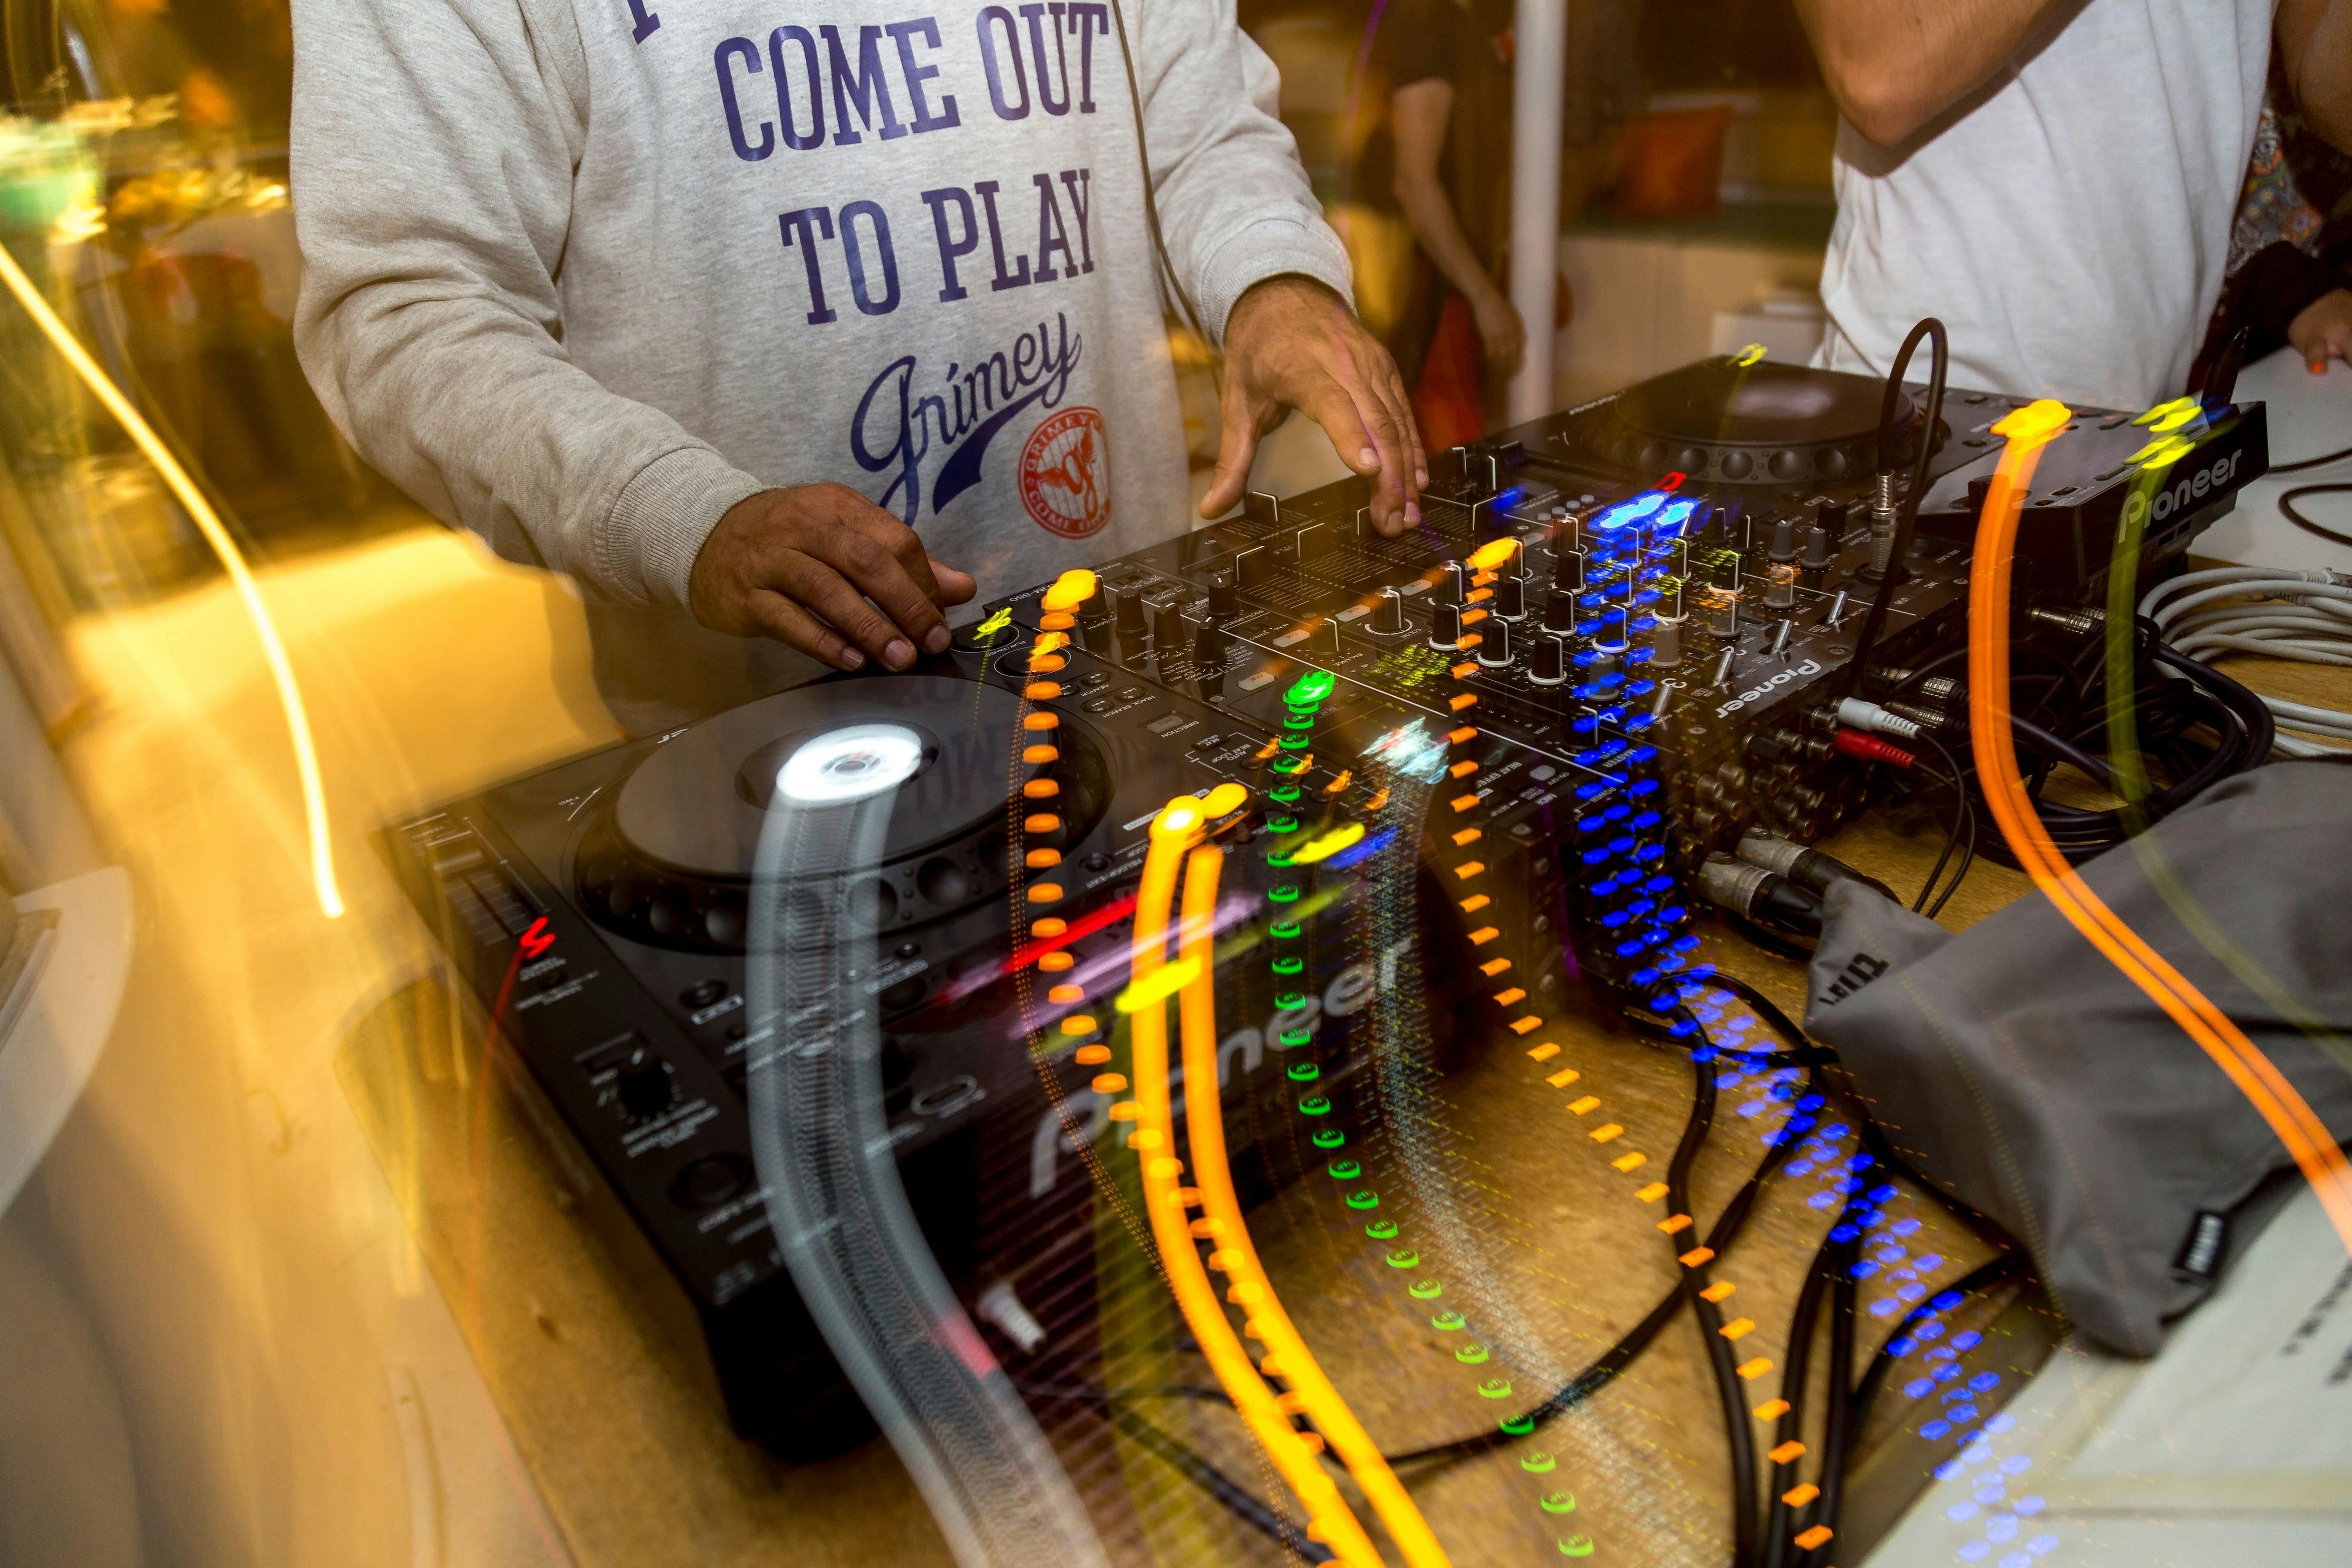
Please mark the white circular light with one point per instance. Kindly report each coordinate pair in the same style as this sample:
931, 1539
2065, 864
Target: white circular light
850, 764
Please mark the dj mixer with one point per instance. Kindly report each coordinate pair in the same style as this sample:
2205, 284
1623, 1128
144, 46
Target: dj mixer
1612, 645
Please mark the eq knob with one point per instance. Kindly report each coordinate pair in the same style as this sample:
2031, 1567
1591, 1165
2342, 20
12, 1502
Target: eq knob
1094, 624
1548, 660
1387, 613
1446, 627
1566, 569
644, 1085
1666, 643
1168, 626
1510, 598
1559, 612
1208, 645
1495, 644
1225, 598
1454, 585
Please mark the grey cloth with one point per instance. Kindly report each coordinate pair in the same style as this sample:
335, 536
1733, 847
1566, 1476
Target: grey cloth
580, 277
2016, 1068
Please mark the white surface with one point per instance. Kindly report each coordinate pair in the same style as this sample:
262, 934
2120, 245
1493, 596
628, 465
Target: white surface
2308, 415
1541, 30
46, 1058
2233, 1446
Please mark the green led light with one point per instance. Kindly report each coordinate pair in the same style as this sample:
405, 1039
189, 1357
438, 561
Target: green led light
1299, 721
1537, 1463
1294, 744
1382, 1230
1289, 965
1404, 1257
1285, 894
1289, 1001
1291, 1039
1344, 1170
1520, 1425
1330, 1138
1472, 1355
1314, 1105
1285, 792
1304, 1072
1425, 1289
1367, 1199
1311, 689
1447, 1322
1558, 1503
1283, 932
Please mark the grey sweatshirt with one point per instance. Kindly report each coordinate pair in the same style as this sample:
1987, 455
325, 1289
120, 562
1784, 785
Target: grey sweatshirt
580, 275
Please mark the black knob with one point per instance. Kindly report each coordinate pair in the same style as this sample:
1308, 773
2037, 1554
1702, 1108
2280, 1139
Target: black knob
643, 1084
1094, 622
1167, 624
1495, 643
1208, 645
1510, 598
1387, 613
1225, 599
1834, 517
1445, 626
1567, 568
1818, 542
1454, 585
1548, 661
1784, 539
1559, 613
1126, 611
1723, 570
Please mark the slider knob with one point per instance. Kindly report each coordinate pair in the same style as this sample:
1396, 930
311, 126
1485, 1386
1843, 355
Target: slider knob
1446, 627
1548, 661
1510, 598
1387, 613
1495, 644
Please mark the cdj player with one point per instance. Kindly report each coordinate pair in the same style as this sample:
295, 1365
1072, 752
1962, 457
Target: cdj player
1612, 646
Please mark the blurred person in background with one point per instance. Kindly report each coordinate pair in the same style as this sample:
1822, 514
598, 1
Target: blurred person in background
2290, 279
1447, 67
2056, 179
752, 335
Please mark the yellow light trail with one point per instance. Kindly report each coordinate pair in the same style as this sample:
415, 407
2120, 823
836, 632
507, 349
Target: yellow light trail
1330, 1519
208, 523
2290, 1117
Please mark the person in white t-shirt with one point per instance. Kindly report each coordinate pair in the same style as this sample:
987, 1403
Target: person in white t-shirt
2054, 179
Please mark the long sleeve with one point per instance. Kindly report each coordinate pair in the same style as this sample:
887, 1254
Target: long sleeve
1235, 202
434, 149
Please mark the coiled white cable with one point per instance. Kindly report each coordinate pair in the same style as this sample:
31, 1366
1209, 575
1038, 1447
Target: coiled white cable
2276, 610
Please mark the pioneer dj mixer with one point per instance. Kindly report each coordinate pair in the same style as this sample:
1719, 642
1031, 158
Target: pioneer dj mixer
1606, 651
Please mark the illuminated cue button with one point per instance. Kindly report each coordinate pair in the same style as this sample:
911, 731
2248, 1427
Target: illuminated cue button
1038, 756
1044, 893
1049, 928
1092, 1056
1060, 994
1055, 962
1041, 822
1039, 860
1042, 690
1078, 1023
1041, 721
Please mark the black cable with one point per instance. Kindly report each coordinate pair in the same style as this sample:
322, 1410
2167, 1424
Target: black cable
1621, 1355
1792, 1424
1237, 1499
1968, 859
1960, 818
2321, 461
1907, 507
1742, 1441
2286, 508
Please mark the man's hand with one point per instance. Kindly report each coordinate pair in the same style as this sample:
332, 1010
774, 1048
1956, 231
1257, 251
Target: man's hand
1501, 335
1290, 343
808, 565
2322, 328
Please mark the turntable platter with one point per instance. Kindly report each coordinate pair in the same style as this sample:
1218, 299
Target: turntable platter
1761, 424
669, 860
698, 803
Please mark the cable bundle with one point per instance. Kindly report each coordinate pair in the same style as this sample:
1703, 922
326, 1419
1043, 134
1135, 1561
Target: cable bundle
2305, 615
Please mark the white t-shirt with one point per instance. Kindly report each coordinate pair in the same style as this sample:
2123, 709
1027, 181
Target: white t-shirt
2070, 221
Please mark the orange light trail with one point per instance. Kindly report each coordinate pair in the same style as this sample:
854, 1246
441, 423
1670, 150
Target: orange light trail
2290, 1117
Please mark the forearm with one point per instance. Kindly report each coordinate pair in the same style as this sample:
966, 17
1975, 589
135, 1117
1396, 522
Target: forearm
1434, 224
1234, 200
1895, 65
2316, 42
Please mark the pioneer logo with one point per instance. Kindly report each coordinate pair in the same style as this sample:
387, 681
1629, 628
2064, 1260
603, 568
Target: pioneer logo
1753, 693
2183, 492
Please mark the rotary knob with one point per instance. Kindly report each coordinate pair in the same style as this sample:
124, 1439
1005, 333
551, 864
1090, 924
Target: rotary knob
1510, 598
1167, 624
1495, 643
1454, 585
1388, 614
1567, 568
1548, 661
1225, 598
1446, 627
1208, 645
1559, 613
644, 1085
